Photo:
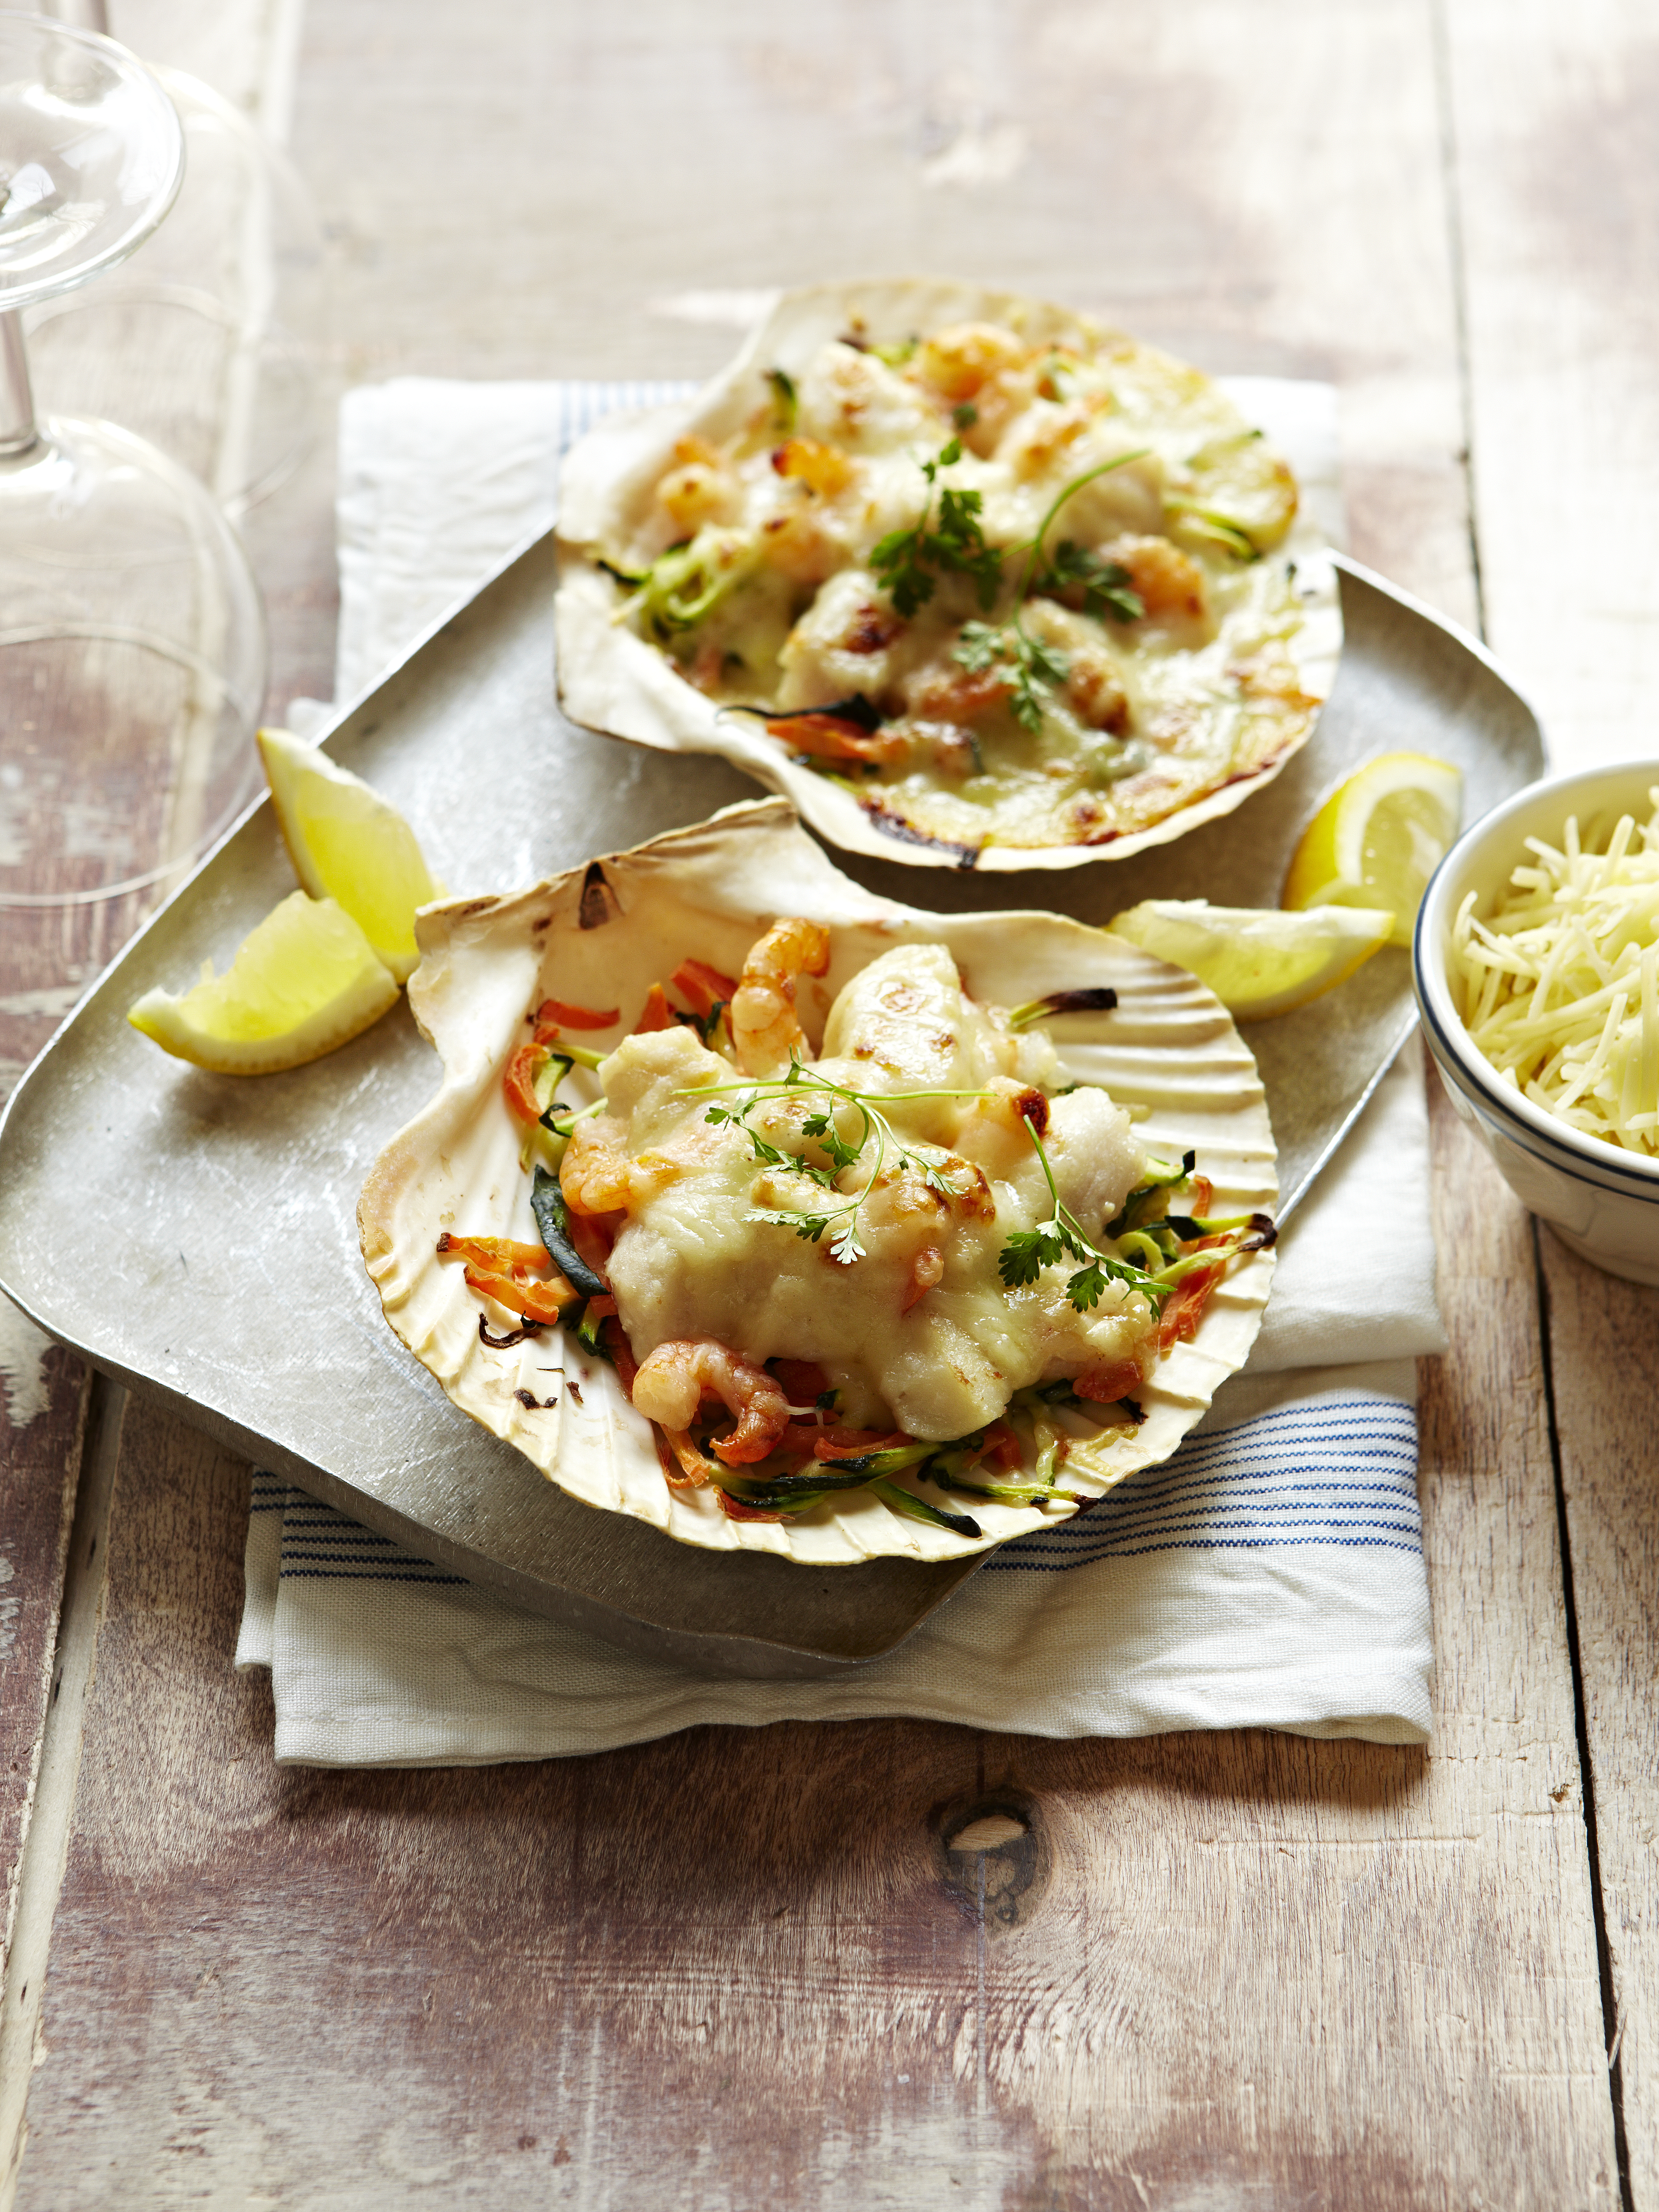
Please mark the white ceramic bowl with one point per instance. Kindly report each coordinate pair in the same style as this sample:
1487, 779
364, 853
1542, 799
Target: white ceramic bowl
1601, 1200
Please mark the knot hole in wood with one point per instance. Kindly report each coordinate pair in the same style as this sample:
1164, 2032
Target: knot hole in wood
993, 1858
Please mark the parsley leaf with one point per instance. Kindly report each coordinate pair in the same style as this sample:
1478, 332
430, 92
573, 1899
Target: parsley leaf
1107, 587
1028, 1251
809, 1227
923, 1160
1034, 669
909, 562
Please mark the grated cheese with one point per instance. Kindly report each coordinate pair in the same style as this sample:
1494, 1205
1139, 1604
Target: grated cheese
1558, 985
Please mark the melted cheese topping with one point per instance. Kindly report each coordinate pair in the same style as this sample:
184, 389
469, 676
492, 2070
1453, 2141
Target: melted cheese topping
691, 1261
760, 585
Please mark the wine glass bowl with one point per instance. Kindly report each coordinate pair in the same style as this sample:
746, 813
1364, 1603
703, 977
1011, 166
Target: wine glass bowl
132, 642
91, 156
221, 306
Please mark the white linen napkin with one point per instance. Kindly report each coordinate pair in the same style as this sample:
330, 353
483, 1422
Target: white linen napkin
1270, 1575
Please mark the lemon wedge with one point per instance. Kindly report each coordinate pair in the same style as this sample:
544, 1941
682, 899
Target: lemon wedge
350, 845
305, 980
1378, 838
1257, 960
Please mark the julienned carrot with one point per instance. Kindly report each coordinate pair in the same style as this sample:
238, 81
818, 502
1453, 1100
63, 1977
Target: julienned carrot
519, 1082
560, 1014
658, 1015
495, 1252
826, 737
705, 987
1184, 1305
532, 1301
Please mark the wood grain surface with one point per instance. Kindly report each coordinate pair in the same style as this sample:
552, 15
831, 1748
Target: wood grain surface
1604, 1352
42, 1410
741, 1968
744, 1967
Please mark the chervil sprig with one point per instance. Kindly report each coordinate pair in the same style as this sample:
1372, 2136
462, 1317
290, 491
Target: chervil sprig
1028, 1251
1035, 671
1107, 587
905, 559
841, 1222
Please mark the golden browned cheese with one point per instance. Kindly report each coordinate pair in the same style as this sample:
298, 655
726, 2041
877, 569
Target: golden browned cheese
919, 1333
1136, 659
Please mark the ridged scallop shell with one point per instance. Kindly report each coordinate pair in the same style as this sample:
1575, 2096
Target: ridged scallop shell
602, 936
612, 680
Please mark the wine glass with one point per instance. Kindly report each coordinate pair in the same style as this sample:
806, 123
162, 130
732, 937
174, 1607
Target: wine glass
132, 642
220, 305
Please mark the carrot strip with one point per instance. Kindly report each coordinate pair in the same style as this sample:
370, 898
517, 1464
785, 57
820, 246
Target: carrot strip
858, 1443
621, 1353
1003, 1446
561, 1014
519, 1082
704, 986
658, 1015
826, 737
530, 1300
1185, 1305
1106, 1384
495, 1252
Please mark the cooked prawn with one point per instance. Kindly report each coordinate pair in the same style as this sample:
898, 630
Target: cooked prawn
671, 1380
596, 1176
766, 1032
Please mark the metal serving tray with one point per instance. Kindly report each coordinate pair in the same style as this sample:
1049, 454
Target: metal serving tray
228, 1282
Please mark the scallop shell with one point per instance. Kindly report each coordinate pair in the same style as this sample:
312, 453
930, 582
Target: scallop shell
612, 680
602, 936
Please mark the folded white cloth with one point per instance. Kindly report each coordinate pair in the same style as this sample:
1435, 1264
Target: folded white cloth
1270, 1575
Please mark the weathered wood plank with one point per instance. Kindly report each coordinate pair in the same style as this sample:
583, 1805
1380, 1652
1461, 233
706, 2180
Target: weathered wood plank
740, 1966
1558, 165
42, 1413
1551, 111
1604, 1342
1256, 186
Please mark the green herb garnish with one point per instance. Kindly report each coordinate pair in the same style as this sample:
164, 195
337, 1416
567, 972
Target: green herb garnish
840, 1222
1035, 670
1032, 667
905, 559
784, 401
1107, 587
1028, 1251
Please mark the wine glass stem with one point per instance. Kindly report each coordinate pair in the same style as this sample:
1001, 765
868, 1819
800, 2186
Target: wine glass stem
17, 431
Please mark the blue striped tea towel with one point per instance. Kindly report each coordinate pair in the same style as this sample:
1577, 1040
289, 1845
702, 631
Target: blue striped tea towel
1270, 1575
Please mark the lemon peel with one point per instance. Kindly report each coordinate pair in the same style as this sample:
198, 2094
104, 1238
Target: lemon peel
1378, 838
349, 844
305, 980
1259, 961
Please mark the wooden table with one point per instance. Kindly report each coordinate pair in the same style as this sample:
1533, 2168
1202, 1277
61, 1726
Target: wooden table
737, 1969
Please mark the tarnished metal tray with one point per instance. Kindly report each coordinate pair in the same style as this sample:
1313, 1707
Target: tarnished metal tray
228, 1282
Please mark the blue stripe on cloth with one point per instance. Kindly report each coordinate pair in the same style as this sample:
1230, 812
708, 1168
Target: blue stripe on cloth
320, 1545
1299, 1476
